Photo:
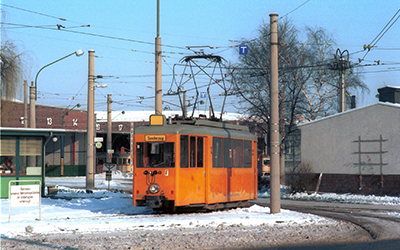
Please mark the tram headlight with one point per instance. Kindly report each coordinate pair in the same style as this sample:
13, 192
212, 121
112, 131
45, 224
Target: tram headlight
154, 188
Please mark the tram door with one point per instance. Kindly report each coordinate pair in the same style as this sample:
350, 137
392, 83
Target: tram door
193, 168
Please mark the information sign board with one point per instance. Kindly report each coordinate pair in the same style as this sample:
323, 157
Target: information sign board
21, 194
25, 195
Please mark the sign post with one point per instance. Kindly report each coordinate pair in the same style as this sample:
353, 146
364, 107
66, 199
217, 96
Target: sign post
109, 167
24, 195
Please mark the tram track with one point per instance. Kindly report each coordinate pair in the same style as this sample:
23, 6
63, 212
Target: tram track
376, 220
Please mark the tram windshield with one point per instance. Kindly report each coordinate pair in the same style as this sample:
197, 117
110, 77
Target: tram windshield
155, 154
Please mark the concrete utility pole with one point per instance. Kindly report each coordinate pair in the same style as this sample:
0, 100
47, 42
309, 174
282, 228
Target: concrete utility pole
158, 89
109, 126
90, 125
282, 132
25, 103
342, 63
275, 206
32, 116
131, 148
32, 104
342, 87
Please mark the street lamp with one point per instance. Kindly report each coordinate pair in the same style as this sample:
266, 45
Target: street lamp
77, 53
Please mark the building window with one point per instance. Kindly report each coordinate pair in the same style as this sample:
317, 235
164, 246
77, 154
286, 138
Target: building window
8, 147
30, 156
23, 156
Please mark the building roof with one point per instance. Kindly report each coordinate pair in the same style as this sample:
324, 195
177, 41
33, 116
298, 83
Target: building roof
393, 87
386, 104
37, 131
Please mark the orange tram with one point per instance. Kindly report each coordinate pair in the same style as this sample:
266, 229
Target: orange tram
194, 164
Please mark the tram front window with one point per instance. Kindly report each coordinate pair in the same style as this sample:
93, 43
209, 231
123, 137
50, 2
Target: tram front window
155, 154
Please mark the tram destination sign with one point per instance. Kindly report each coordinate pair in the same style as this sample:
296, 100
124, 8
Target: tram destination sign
155, 138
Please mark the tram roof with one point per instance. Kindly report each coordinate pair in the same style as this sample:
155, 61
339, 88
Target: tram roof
199, 127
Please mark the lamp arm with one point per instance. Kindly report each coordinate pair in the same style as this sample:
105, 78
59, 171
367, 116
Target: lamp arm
45, 67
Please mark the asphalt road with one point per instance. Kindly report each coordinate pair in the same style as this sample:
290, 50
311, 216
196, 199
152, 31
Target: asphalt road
377, 220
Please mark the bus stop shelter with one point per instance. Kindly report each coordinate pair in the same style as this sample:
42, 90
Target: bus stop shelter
22, 155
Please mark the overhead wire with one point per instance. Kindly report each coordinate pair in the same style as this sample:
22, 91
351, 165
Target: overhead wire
234, 45
294, 9
34, 12
385, 29
98, 35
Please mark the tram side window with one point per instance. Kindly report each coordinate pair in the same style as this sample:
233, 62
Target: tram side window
140, 155
247, 154
227, 152
155, 154
237, 153
192, 152
217, 152
200, 151
184, 151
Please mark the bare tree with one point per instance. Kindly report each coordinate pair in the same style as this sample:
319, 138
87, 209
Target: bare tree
309, 87
15, 65
11, 70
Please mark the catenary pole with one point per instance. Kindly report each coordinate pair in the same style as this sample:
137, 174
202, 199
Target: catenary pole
90, 125
109, 125
158, 69
25, 103
275, 206
342, 68
158, 89
32, 106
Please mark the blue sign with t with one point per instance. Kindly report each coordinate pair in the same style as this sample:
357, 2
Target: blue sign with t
243, 49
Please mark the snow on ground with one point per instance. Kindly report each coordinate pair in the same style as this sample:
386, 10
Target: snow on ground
74, 210
346, 198
332, 197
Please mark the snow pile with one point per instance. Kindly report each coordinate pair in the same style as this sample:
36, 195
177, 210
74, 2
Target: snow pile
333, 197
346, 198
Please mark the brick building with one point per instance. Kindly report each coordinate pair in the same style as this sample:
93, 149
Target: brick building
70, 147
12, 115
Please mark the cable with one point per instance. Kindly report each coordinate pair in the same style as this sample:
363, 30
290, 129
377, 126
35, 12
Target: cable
381, 34
34, 12
294, 9
98, 35
384, 28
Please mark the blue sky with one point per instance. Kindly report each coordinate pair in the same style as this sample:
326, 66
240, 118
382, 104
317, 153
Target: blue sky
128, 59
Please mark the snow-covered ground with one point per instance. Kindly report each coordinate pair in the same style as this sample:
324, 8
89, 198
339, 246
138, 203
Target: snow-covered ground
332, 197
74, 210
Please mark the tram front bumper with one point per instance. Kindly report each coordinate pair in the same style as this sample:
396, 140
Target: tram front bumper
154, 201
